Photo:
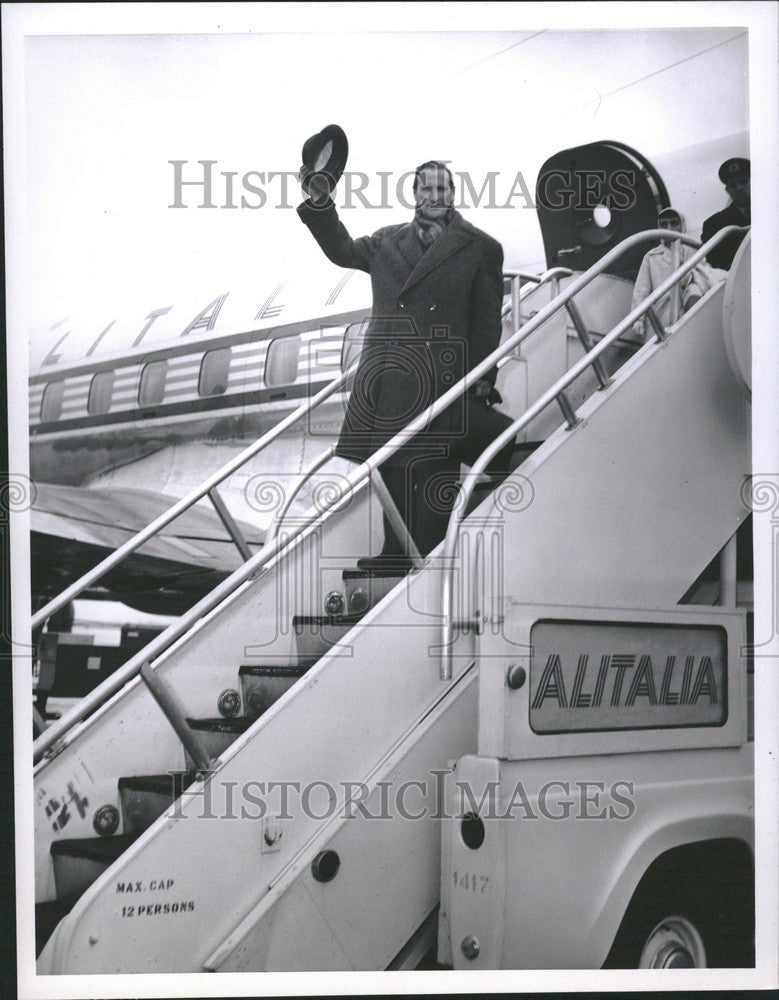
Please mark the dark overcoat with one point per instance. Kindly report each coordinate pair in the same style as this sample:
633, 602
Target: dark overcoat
436, 314
722, 255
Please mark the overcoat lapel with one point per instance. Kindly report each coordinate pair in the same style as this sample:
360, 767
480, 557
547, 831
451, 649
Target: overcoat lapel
409, 247
453, 239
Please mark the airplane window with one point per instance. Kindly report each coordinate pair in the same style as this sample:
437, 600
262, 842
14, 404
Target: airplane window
51, 404
152, 388
596, 226
100, 392
352, 346
281, 363
214, 370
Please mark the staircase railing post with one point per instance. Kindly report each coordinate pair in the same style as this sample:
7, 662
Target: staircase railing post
586, 341
515, 303
675, 304
175, 716
568, 409
657, 326
230, 524
728, 574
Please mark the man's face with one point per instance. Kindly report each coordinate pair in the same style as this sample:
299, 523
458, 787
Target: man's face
738, 190
433, 193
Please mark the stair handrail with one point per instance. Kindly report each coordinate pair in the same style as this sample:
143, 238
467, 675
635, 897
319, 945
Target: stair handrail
555, 392
353, 480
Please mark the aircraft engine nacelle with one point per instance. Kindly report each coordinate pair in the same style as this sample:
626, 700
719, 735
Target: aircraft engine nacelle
592, 197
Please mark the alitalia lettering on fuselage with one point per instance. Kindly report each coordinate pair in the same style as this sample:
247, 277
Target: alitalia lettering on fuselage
270, 308
52, 357
641, 682
203, 321
206, 318
149, 320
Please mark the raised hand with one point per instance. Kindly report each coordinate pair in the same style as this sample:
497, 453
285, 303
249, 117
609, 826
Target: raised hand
314, 185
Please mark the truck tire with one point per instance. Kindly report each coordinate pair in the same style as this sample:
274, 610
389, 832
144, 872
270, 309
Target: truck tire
694, 908
674, 943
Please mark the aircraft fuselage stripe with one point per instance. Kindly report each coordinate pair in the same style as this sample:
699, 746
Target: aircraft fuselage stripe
319, 357
75, 398
236, 401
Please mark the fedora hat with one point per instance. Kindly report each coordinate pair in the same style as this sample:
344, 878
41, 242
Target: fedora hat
325, 153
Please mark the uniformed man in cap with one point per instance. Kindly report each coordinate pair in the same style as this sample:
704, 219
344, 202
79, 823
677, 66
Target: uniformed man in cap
734, 174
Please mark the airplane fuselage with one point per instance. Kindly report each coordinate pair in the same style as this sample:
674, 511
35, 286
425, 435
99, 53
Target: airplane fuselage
226, 375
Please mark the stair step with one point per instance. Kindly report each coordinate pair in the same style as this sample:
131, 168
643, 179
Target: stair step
262, 685
235, 726
145, 797
316, 635
78, 862
366, 587
217, 734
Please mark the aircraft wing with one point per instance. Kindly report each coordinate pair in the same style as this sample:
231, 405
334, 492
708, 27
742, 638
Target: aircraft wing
74, 528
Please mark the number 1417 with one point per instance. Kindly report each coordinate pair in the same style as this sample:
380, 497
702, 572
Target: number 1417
469, 881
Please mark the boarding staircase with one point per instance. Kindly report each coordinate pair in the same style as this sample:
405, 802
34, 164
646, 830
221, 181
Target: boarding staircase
241, 795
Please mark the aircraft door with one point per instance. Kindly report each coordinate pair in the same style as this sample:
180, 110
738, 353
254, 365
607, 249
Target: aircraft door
592, 197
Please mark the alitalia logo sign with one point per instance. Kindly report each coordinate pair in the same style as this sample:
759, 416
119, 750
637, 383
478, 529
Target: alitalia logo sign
587, 676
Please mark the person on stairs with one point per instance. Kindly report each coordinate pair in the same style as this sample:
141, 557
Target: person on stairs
658, 264
437, 284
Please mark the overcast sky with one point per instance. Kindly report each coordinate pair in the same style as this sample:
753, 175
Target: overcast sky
106, 113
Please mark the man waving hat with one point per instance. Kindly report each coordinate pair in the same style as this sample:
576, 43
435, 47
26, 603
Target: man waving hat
437, 293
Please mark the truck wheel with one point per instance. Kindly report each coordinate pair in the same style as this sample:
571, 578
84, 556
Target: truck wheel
690, 929
673, 944
693, 909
